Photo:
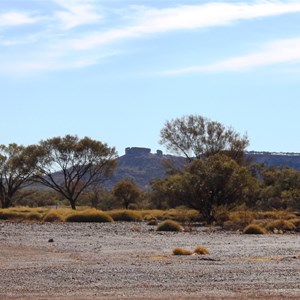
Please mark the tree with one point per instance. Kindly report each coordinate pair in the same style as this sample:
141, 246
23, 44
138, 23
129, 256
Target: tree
127, 192
70, 165
17, 165
210, 182
196, 136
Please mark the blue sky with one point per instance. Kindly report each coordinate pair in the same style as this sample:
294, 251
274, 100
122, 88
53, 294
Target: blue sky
117, 70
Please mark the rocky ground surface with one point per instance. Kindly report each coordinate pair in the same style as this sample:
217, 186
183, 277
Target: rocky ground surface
133, 261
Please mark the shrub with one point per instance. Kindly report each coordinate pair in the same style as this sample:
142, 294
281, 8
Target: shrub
201, 250
7, 214
169, 225
89, 216
53, 216
181, 251
280, 225
33, 216
152, 222
126, 215
243, 217
254, 229
296, 222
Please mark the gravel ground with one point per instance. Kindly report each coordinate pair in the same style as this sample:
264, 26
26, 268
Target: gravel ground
133, 261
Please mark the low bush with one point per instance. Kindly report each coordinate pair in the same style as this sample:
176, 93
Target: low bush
33, 216
283, 225
254, 229
295, 221
126, 215
89, 216
201, 250
169, 225
53, 216
181, 251
6, 214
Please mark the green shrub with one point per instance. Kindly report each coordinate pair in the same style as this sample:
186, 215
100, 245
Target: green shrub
53, 216
169, 225
283, 225
201, 250
126, 215
89, 216
254, 229
181, 251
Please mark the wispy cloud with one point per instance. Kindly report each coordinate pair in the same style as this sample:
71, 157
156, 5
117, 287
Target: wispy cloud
149, 20
16, 19
61, 40
77, 13
276, 52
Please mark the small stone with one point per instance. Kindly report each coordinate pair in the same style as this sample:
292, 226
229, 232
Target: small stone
50, 240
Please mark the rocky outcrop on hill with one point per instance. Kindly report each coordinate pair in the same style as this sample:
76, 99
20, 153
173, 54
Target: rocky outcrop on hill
142, 166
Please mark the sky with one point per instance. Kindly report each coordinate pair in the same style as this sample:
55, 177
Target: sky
117, 70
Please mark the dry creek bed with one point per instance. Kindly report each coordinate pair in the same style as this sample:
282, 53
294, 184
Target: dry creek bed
133, 261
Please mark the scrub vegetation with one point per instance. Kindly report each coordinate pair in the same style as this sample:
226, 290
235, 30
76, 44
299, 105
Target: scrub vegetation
217, 186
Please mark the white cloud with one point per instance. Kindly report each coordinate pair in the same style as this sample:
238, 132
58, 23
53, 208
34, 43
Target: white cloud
16, 19
76, 13
277, 52
148, 20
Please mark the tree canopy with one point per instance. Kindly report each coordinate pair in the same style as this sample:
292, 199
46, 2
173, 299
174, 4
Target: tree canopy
196, 136
17, 166
81, 163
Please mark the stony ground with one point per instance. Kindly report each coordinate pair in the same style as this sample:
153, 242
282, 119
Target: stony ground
133, 261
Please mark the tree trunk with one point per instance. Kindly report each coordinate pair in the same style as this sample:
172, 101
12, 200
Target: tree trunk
73, 204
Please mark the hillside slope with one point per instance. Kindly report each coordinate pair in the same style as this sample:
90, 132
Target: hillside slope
141, 166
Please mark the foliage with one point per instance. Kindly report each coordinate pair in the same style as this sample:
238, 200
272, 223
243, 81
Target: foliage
82, 162
208, 183
280, 188
17, 165
125, 215
181, 251
201, 250
254, 229
169, 225
90, 215
127, 192
195, 136
283, 225
53, 216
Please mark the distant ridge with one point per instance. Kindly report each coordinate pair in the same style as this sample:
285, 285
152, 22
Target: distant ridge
142, 166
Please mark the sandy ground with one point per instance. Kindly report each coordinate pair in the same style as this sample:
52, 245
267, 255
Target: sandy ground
133, 261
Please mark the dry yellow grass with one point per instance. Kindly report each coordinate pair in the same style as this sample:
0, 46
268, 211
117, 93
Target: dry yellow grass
181, 251
201, 250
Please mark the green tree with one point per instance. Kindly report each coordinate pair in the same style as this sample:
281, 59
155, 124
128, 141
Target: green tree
70, 165
126, 192
17, 165
196, 136
280, 187
210, 182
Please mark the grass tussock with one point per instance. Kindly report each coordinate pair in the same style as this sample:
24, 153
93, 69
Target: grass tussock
201, 250
53, 216
254, 229
7, 214
169, 225
91, 215
126, 215
282, 225
33, 216
181, 251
